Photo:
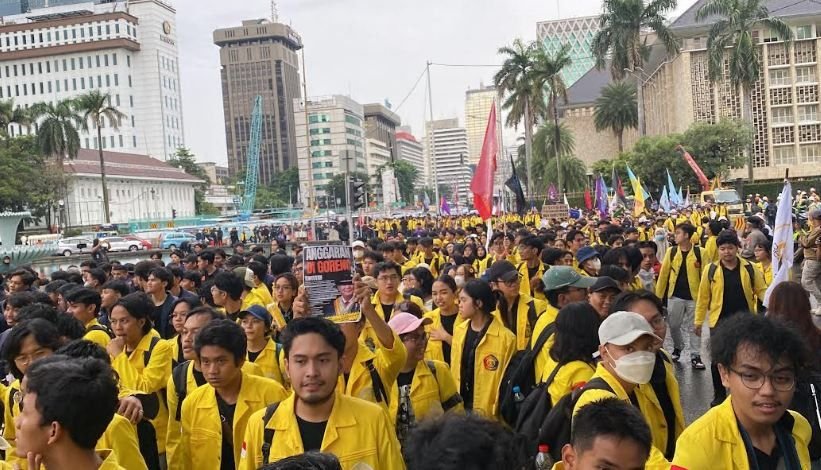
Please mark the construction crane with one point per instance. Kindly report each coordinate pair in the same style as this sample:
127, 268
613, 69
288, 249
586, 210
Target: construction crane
252, 166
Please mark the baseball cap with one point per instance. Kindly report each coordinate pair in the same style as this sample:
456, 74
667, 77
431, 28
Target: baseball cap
604, 283
563, 276
502, 271
404, 322
622, 328
246, 275
259, 312
585, 253
358, 244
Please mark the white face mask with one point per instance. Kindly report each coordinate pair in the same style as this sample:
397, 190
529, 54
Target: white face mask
460, 281
358, 254
636, 367
594, 264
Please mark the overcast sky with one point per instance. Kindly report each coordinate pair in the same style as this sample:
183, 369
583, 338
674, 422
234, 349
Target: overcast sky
371, 50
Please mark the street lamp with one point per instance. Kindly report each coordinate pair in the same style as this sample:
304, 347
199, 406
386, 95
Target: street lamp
62, 205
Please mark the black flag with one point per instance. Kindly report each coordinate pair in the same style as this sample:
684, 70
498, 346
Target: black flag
515, 185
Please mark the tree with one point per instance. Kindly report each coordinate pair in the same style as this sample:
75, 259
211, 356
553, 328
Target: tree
734, 31
336, 188
10, 114
187, 161
616, 110
57, 135
544, 151
95, 106
574, 173
281, 191
719, 147
35, 184
619, 39
406, 176
547, 72
525, 101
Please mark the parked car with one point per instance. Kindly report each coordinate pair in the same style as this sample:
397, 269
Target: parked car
145, 243
122, 244
73, 246
173, 240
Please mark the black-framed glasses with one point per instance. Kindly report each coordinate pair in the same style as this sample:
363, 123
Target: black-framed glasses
781, 381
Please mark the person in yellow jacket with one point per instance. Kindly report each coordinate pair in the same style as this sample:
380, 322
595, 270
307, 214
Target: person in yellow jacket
286, 287
482, 348
758, 359
518, 311
256, 274
66, 407
226, 402
140, 358
531, 267
424, 388
317, 416
179, 311
710, 252
84, 305
764, 261
444, 319
570, 361
728, 286
498, 252
627, 351
678, 283
262, 350
435, 261
607, 433
388, 275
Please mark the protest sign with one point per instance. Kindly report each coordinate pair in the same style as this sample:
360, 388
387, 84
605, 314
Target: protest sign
328, 279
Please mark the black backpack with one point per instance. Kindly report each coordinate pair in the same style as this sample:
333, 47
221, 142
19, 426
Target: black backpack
555, 429
534, 410
807, 402
102, 328
520, 372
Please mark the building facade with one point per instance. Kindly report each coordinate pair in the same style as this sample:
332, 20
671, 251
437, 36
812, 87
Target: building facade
335, 142
578, 33
446, 147
477, 110
380, 124
217, 174
139, 188
128, 51
260, 58
411, 150
784, 104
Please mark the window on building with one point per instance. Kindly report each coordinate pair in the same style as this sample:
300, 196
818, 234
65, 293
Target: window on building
87, 143
808, 113
107, 80
128, 60
129, 80
48, 66
49, 86
112, 140
805, 74
779, 77
39, 67
810, 153
57, 82
784, 155
73, 83
116, 79
804, 32
113, 59
782, 115
134, 140
82, 83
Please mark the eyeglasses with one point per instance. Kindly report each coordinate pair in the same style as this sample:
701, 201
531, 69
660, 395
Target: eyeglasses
782, 381
657, 321
26, 359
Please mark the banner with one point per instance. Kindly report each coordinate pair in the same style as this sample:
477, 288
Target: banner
328, 278
782, 255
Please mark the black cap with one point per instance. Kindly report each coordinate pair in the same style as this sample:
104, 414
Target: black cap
502, 271
604, 283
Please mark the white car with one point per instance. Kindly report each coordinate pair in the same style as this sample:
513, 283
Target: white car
73, 246
121, 244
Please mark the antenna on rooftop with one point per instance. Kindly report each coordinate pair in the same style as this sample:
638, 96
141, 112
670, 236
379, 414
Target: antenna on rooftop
274, 12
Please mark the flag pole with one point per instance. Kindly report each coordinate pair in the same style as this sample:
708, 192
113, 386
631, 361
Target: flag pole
432, 142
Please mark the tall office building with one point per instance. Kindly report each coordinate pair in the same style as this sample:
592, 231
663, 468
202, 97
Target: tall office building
380, 124
127, 49
260, 58
448, 157
408, 148
578, 33
335, 141
477, 109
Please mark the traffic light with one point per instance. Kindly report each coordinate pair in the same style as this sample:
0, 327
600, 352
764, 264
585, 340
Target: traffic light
357, 192
173, 213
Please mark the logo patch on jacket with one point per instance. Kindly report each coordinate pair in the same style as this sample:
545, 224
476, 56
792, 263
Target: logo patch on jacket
490, 362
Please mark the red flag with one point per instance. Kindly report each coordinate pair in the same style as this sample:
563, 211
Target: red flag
588, 200
482, 184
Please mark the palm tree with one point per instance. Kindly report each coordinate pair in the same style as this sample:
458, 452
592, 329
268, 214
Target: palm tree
525, 100
733, 30
544, 151
95, 106
619, 39
573, 170
10, 114
616, 110
548, 73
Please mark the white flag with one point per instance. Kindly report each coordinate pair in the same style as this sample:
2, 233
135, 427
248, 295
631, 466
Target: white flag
782, 241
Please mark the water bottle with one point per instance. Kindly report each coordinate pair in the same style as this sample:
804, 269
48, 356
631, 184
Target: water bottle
518, 396
543, 459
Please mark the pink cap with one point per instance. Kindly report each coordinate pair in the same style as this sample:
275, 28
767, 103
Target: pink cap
404, 322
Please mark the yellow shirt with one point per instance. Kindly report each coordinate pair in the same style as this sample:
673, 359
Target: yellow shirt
357, 432
367, 333
524, 327
121, 437
431, 395
524, 281
386, 362
541, 367
569, 377
95, 334
711, 294
269, 360
434, 351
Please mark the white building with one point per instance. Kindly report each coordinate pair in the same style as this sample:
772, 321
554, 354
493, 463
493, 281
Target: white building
449, 156
127, 49
377, 154
336, 143
408, 148
139, 187
477, 110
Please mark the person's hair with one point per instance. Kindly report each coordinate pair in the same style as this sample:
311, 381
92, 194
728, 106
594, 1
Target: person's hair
687, 228
459, 442
768, 336
212, 313
41, 297
280, 264
39, 310
70, 327
448, 281
790, 302
715, 227
119, 267
139, 306
533, 242
143, 268
551, 255
649, 244
307, 461
192, 258
52, 286
90, 263
259, 269
19, 300
194, 277
767, 246
577, 338
614, 256
45, 334
79, 348
225, 334
98, 274
617, 273
292, 281
425, 279
373, 255
190, 301
426, 242
206, 255
164, 275
571, 234
117, 286
329, 331
85, 296
78, 393
59, 275
624, 302
756, 222
609, 417
175, 271
387, 266
727, 237
232, 284
479, 290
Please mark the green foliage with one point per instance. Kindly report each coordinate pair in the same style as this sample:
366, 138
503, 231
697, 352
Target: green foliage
57, 135
616, 110
10, 114
35, 183
406, 176
574, 173
280, 191
516, 80
336, 188
720, 146
187, 161
544, 154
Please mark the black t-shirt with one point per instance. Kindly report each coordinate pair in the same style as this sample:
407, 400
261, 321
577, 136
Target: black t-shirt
199, 378
682, 287
387, 309
472, 340
405, 378
447, 323
227, 418
311, 434
659, 383
733, 300
768, 462
252, 356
